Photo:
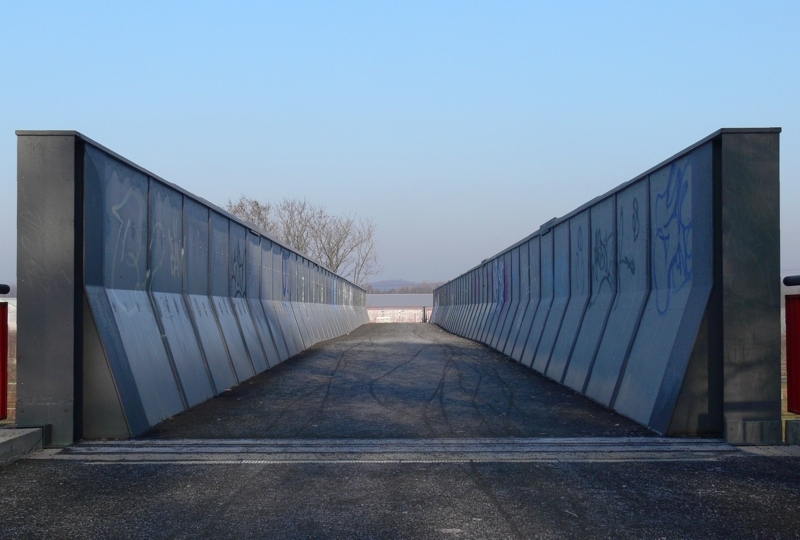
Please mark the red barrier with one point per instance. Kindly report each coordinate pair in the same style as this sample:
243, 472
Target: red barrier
3, 360
793, 352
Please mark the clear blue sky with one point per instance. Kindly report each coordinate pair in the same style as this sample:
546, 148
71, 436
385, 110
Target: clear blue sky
458, 127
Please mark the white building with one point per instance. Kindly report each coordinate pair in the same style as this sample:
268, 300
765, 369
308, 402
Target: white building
399, 307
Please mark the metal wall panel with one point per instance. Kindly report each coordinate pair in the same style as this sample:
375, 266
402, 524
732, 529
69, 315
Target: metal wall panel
198, 301
122, 253
212, 341
486, 274
103, 411
306, 303
514, 291
246, 322
505, 294
524, 298
475, 305
580, 291
603, 263
297, 304
165, 239
681, 278
561, 293
534, 297
475, 308
493, 300
500, 292
278, 307
471, 304
166, 284
117, 361
456, 317
195, 244
238, 296
265, 293
254, 300
287, 295
179, 334
633, 278
152, 372
221, 285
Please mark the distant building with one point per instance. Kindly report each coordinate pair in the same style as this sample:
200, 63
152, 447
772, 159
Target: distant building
399, 307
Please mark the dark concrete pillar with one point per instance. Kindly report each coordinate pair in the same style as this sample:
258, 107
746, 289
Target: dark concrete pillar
49, 287
750, 256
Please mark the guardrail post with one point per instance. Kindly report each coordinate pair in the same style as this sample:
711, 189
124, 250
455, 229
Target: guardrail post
3, 360
792, 346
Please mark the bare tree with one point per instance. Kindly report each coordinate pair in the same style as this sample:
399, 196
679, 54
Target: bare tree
254, 212
365, 260
333, 241
345, 244
296, 221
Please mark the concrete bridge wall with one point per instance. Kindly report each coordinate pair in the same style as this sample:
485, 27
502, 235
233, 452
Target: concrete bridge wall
138, 299
659, 299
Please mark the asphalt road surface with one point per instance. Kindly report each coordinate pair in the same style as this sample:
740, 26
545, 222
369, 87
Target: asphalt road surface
398, 381
402, 431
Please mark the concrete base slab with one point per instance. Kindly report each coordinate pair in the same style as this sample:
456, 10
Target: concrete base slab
793, 432
18, 443
753, 432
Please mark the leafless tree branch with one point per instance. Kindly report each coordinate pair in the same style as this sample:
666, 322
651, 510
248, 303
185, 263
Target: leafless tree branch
345, 244
254, 212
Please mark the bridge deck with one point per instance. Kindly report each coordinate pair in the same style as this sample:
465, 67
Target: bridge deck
398, 381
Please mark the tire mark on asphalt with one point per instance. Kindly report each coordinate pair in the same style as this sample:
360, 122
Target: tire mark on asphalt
293, 400
440, 389
473, 393
466, 358
322, 406
373, 381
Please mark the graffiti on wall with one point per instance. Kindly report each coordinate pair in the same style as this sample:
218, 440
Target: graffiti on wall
580, 263
672, 234
602, 264
628, 262
237, 270
127, 229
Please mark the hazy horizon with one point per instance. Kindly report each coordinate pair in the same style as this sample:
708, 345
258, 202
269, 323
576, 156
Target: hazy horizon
459, 128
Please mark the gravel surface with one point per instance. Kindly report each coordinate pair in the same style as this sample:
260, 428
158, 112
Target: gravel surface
737, 498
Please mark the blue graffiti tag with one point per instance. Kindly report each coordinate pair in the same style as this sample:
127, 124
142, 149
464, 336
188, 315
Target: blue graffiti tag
602, 268
630, 264
672, 250
581, 262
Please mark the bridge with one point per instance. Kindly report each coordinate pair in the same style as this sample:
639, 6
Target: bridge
617, 369
659, 300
